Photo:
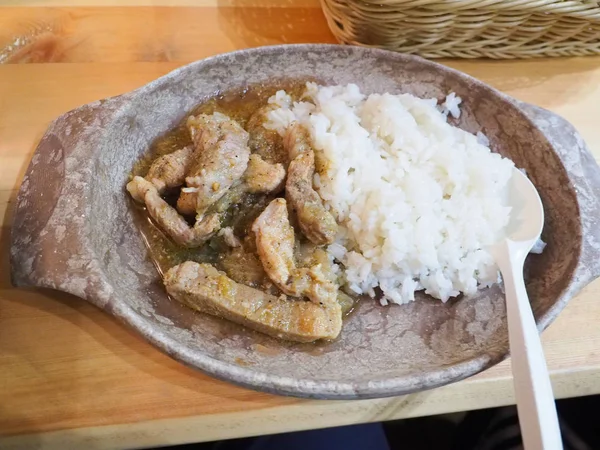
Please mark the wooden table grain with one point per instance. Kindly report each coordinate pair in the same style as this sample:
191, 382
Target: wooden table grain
73, 377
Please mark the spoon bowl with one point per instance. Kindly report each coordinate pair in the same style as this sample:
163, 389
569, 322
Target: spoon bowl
527, 215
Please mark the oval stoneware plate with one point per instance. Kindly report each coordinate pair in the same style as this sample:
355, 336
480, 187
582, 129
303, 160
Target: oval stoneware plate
74, 229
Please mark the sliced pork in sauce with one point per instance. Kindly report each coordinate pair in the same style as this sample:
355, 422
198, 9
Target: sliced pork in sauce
204, 288
170, 170
167, 171
221, 158
275, 242
317, 224
243, 266
169, 220
250, 262
264, 177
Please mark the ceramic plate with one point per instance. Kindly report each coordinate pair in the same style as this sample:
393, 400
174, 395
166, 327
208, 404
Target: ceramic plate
74, 229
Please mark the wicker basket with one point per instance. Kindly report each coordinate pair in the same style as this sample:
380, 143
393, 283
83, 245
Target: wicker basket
469, 28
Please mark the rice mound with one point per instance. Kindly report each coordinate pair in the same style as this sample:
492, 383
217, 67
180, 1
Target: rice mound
419, 201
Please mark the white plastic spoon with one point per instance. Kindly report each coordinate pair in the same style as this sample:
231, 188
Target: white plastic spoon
533, 391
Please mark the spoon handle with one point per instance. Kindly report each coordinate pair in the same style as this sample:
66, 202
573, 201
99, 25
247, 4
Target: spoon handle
533, 391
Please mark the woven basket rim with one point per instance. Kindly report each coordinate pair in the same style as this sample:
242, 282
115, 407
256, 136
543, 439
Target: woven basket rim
475, 4
495, 29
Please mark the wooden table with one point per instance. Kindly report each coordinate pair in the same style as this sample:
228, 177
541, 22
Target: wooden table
70, 375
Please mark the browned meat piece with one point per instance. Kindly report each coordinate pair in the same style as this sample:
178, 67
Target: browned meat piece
275, 246
260, 177
296, 141
220, 160
308, 254
169, 171
244, 267
206, 130
169, 220
204, 288
138, 188
317, 224
264, 177
265, 143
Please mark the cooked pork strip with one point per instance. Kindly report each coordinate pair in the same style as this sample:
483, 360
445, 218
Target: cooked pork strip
169, 171
208, 129
264, 177
204, 288
169, 220
317, 224
275, 246
244, 267
220, 159
296, 141
260, 177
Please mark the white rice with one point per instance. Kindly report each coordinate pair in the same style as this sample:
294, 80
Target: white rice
419, 202
538, 247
